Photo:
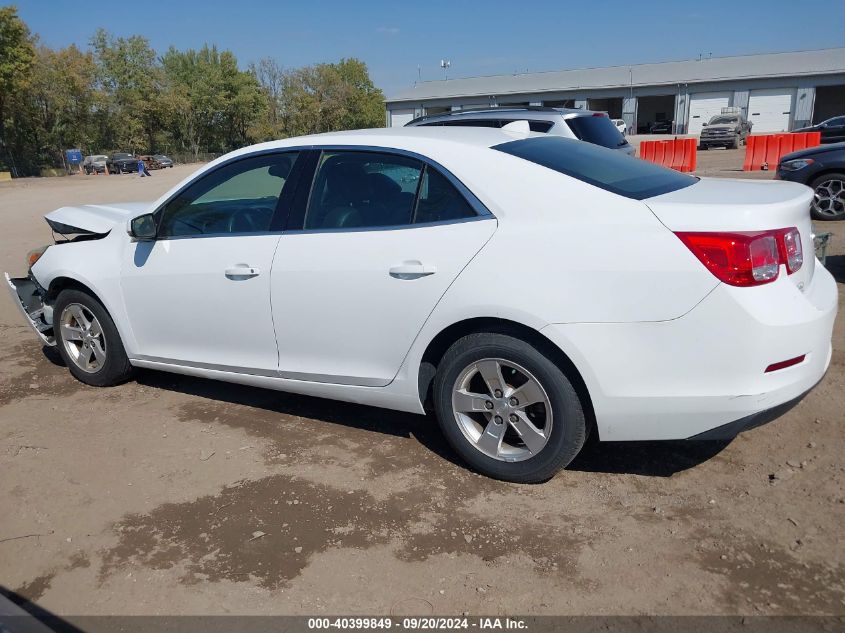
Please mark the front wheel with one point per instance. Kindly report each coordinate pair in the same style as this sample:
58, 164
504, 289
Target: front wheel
507, 409
88, 340
828, 197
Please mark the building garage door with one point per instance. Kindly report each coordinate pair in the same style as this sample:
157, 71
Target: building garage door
400, 117
769, 110
705, 105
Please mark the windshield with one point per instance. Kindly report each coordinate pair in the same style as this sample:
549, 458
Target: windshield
597, 130
121, 156
612, 171
722, 120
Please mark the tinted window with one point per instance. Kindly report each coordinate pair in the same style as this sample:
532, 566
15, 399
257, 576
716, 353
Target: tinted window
610, 170
439, 201
237, 198
723, 120
363, 189
837, 122
122, 156
597, 130
474, 122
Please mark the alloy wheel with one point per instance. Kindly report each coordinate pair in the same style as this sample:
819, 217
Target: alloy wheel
829, 198
83, 338
502, 409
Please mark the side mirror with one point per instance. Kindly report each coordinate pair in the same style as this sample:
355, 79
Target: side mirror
142, 228
704, 125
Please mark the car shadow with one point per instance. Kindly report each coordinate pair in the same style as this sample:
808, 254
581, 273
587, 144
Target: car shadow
653, 459
836, 265
650, 459
18, 614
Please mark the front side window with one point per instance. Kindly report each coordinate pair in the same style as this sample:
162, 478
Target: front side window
240, 197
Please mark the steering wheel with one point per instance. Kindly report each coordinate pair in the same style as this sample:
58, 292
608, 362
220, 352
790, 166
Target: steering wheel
247, 217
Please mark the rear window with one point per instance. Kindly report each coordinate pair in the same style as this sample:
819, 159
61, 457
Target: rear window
597, 130
609, 170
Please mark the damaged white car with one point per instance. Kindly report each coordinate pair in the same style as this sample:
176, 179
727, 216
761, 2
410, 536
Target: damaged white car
529, 289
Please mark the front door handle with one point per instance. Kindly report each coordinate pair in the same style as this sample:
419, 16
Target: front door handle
412, 269
240, 272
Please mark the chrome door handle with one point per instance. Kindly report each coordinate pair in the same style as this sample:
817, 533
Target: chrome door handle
242, 271
411, 270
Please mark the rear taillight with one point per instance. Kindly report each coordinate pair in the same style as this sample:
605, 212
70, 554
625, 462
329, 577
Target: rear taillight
746, 259
793, 253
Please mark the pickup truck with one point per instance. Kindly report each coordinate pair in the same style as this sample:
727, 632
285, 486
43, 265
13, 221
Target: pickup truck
122, 163
725, 130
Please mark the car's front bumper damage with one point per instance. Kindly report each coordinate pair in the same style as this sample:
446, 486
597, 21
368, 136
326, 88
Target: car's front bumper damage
28, 297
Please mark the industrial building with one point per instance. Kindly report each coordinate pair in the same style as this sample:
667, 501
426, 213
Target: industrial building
776, 92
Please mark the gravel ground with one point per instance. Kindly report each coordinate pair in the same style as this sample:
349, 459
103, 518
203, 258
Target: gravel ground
176, 495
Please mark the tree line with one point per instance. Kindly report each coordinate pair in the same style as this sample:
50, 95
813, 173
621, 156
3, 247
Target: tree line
121, 95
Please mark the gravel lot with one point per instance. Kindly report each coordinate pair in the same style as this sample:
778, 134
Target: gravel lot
175, 495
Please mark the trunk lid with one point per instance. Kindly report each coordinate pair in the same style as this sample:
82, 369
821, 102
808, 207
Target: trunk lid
95, 219
732, 205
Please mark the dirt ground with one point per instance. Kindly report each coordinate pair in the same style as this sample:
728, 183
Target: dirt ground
176, 495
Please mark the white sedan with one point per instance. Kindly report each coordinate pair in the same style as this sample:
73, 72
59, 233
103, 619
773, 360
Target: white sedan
529, 289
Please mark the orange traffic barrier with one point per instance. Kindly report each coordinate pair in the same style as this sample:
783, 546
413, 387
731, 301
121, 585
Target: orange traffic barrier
763, 151
678, 154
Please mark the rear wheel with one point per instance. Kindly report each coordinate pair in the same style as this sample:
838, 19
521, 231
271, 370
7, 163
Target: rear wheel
828, 197
507, 409
88, 340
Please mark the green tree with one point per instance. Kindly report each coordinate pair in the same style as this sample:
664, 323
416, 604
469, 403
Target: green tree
218, 104
128, 75
328, 97
17, 55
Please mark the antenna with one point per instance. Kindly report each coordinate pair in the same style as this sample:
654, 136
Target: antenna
445, 64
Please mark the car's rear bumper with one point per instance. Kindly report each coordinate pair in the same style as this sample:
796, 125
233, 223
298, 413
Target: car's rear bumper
26, 296
683, 378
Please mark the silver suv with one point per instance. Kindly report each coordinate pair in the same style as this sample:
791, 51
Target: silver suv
584, 125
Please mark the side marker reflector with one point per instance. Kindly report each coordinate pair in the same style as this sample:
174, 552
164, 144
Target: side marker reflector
785, 363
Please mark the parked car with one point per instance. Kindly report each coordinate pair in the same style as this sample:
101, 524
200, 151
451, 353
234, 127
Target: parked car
149, 161
725, 130
163, 161
832, 130
620, 125
530, 289
584, 125
822, 169
660, 127
95, 164
119, 163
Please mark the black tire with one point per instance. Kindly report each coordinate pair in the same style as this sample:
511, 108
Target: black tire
115, 368
735, 143
839, 209
568, 430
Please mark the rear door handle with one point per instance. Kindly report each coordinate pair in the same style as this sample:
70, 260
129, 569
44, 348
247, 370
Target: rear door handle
412, 269
242, 271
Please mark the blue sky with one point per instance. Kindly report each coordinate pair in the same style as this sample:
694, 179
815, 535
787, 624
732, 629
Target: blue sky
480, 38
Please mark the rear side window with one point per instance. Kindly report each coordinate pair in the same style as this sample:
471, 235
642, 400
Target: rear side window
609, 170
597, 130
439, 201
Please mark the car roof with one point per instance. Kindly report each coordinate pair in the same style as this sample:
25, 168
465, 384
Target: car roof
424, 140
